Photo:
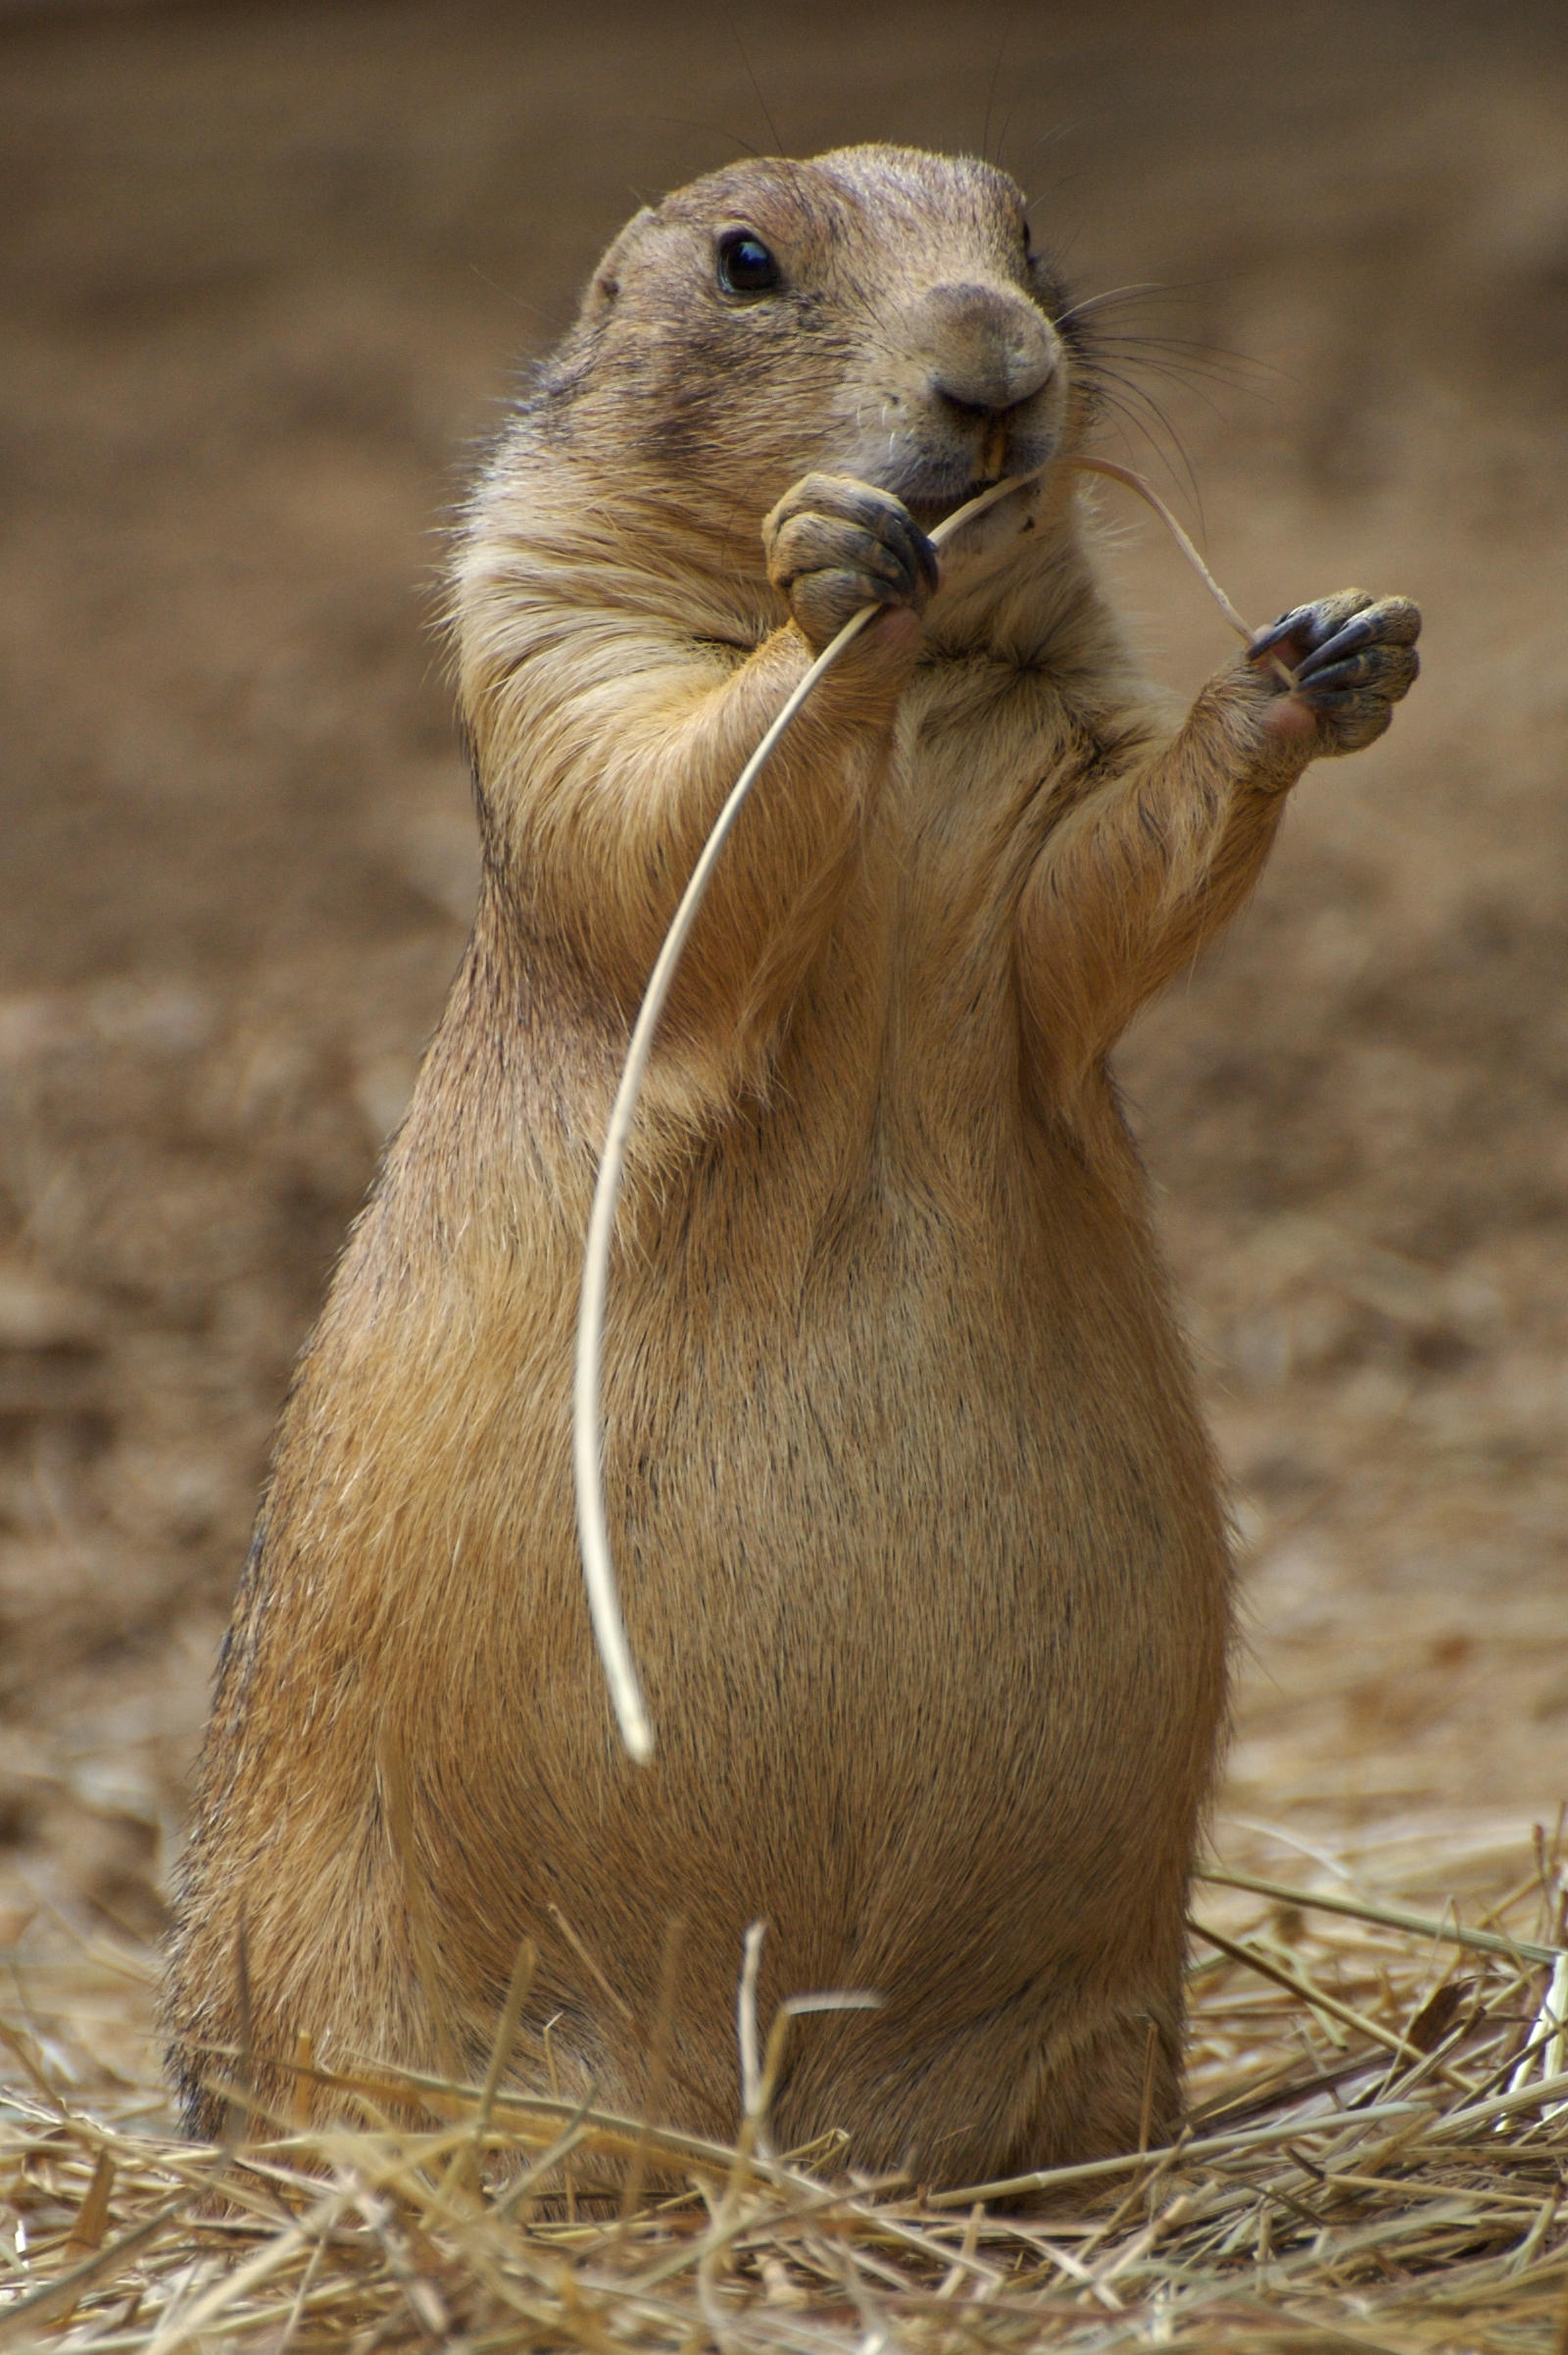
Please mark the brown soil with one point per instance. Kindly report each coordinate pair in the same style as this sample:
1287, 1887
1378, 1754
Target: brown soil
265, 274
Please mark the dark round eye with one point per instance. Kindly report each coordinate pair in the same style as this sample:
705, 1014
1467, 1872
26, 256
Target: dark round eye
745, 264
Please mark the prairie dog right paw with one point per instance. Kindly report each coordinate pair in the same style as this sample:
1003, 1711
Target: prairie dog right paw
834, 546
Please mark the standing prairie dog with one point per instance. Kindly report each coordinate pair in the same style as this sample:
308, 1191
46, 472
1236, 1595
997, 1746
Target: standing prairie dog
921, 1549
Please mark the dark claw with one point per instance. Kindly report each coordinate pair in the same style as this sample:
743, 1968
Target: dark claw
925, 556
1334, 680
1384, 628
1344, 641
1311, 626
1289, 625
1395, 675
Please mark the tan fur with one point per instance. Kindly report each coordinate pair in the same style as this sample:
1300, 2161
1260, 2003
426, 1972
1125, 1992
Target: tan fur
921, 1552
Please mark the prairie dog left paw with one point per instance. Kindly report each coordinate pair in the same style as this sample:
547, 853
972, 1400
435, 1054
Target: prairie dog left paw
1353, 657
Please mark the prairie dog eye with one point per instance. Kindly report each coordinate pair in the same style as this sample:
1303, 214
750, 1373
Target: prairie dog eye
745, 265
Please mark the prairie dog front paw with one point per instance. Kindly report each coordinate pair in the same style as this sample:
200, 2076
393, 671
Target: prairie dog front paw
1353, 657
835, 546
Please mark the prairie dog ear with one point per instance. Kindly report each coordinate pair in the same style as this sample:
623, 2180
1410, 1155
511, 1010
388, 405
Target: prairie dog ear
605, 284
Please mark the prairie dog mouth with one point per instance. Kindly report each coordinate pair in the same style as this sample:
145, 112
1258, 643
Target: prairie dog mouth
930, 492
929, 513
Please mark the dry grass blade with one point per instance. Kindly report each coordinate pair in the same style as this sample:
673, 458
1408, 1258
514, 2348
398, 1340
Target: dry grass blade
1387, 1917
1376, 2163
1297, 1984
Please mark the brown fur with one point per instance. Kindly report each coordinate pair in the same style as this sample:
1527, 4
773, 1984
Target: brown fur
921, 1549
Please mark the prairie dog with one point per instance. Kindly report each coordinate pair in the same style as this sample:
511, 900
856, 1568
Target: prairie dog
921, 1544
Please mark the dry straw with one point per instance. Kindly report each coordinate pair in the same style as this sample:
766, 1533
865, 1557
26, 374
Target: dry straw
1374, 2159
587, 1417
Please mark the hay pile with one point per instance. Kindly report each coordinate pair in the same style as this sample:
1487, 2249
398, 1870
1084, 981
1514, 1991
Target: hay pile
1375, 2159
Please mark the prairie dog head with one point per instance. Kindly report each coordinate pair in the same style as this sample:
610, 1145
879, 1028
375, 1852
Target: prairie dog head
877, 312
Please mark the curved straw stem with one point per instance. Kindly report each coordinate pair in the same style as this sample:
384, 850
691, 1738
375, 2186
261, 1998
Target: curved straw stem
1152, 497
587, 1416
587, 1430
587, 1434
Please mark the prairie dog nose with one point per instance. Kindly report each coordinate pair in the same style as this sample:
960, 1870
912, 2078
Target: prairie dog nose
986, 348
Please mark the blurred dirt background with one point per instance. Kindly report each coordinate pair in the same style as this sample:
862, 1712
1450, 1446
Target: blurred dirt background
265, 275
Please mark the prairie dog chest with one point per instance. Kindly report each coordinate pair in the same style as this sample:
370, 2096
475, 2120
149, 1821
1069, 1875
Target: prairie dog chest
985, 757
